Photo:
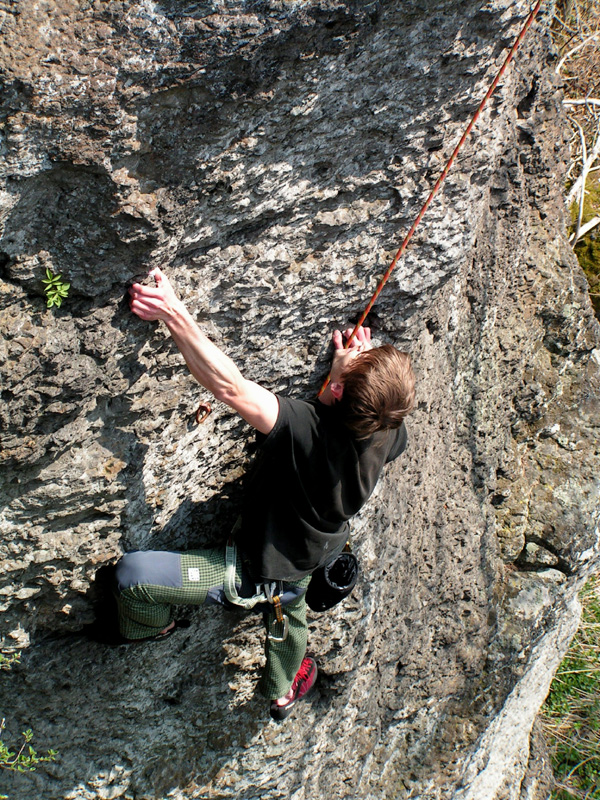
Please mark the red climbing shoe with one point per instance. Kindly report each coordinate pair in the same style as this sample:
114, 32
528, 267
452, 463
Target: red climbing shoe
303, 684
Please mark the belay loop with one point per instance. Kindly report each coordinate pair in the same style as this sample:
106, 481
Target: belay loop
267, 595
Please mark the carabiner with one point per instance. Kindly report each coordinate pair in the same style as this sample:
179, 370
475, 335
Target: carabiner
285, 631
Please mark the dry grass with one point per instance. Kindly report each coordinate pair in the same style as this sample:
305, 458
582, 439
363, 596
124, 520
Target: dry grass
576, 32
576, 22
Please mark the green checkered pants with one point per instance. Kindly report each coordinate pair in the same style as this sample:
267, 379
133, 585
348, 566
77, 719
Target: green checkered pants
194, 577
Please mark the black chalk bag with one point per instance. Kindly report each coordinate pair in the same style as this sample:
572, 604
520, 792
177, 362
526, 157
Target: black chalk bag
334, 581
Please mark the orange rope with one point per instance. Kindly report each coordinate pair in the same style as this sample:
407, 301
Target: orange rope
440, 180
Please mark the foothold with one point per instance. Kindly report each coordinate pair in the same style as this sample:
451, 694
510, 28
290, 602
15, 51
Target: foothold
202, 412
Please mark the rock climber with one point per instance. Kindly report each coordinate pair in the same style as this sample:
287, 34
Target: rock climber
317, 464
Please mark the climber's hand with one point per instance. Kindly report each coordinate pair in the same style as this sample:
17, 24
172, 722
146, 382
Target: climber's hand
362, 340
343, 356
152, 303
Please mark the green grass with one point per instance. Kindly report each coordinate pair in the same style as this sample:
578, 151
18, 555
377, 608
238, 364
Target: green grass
571, 714
587, 249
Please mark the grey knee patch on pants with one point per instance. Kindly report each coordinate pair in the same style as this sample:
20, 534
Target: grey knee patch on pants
155, 567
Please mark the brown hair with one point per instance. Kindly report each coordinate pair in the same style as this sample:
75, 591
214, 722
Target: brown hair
379, 391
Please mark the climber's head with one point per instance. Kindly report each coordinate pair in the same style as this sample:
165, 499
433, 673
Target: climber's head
378, 390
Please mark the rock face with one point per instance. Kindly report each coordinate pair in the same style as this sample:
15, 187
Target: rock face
271, 155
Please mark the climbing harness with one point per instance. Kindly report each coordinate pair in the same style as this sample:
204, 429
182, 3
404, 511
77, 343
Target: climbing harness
229, 586
440, 180
271, 596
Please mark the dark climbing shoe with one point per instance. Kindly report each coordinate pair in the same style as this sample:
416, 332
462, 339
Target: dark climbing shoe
158, 637
113, 638
303, 684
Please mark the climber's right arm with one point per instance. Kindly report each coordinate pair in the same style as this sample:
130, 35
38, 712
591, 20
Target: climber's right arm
209, 365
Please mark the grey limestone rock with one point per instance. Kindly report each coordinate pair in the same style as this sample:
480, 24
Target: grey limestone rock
271, 155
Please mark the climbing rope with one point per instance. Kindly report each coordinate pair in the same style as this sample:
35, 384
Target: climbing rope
440, 180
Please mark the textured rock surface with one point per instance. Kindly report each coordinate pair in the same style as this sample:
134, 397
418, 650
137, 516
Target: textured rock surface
271, 154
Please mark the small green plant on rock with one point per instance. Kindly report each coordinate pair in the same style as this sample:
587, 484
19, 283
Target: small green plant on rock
25, 759
56, 290
6, 662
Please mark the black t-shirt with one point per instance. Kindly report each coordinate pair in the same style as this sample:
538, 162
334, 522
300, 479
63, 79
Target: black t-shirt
311, 476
